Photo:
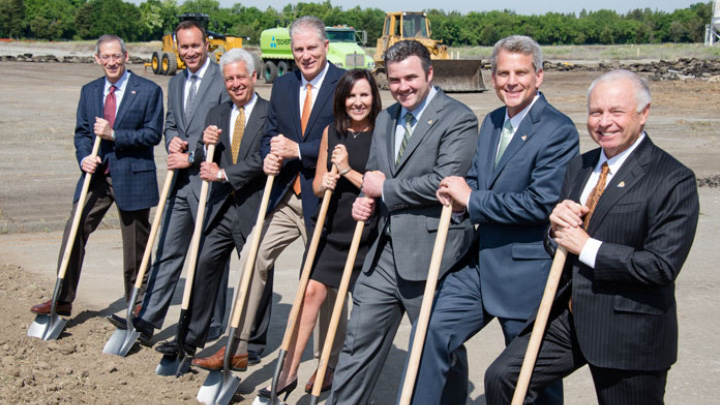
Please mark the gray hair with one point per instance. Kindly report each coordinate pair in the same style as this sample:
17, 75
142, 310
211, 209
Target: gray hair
308, 22
518, 44
405, 49
640, 85
109, 38
238, 55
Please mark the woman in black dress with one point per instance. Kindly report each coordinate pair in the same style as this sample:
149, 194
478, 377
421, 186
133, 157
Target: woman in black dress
346, 145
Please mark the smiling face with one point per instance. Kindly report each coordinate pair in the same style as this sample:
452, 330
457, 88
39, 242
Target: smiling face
409, 84
239, 83
192, 48
613, 120
112, 60
515, 80
359, 102
310, 52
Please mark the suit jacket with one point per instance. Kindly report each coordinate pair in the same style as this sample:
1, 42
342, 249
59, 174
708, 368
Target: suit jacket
138, 128
210, 93
442, 144
512, 201
284, 118
245, 179
624, 309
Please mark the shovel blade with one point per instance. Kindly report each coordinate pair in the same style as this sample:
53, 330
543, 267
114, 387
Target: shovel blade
173, 365
211, 388
230, 386
265, 401
47, 327
121, 341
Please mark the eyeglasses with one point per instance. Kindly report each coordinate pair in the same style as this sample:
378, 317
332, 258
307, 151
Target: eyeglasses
114, 58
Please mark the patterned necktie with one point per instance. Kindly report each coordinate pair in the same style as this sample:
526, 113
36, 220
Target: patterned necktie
505, 137
409, 122
307, 108
191, 94
238, 134
595, 194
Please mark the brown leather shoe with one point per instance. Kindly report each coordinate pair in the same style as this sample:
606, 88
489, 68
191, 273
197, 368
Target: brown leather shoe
62, 308
327, 382
215, 362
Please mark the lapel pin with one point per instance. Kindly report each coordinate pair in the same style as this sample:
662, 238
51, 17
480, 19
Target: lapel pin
430, 122
524, 137
132, 92
621, 184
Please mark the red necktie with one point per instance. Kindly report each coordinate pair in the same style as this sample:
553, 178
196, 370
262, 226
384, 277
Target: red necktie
109, 114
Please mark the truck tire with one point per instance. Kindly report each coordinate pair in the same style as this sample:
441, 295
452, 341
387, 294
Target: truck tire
172, 65
155, 62
164, 63
282, 68
270, 72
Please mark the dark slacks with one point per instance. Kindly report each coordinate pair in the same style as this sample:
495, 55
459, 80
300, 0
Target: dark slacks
559, 356
134, 227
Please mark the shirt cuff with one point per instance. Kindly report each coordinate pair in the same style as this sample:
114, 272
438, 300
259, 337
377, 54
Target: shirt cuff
299, 154
589, 252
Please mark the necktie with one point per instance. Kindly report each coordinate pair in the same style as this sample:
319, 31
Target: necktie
238, 134
409, 121
191, 95
505, 137
109, 115
595, 194
307, 107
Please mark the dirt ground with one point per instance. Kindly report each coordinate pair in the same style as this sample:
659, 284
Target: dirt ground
38, 172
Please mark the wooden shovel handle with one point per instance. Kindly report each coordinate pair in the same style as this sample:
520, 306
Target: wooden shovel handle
197, 233
78, 212
426, 308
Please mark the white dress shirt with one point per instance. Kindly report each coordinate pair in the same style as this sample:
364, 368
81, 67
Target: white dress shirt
233, 118
417, 114
188, 83
120, 85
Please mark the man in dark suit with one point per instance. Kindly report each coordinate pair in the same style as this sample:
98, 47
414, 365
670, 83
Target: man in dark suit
126, 111
423, 138
513, 185
300, 109
190, 96
627, 219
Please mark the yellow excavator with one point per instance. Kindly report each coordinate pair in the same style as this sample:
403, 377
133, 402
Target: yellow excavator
455, 75
167, 61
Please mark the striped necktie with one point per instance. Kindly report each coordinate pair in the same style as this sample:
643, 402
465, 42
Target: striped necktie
409, 122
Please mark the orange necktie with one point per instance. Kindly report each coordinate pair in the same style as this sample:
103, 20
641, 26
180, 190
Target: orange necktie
594, 196
307, 107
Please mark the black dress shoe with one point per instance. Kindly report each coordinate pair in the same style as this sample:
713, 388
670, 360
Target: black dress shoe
117, 321
168, 348
253, 357
146, 333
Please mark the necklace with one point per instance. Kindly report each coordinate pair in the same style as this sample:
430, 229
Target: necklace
356, 133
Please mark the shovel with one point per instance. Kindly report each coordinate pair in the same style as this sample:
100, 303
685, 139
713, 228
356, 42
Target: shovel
220, 386
50, 326
539, 327
300, 296
426, 307
121, 340
179, 363
337, 311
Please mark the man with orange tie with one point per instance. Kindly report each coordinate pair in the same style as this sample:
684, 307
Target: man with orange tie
300, 109
126, 111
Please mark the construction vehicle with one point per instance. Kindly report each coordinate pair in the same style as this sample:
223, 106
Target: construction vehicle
457, 75
343, 51
167, 61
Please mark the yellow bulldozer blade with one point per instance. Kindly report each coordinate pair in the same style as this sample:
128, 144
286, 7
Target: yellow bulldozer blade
458, 75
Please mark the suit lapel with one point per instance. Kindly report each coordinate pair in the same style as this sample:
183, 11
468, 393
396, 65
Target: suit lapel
100, 97
131, 94
324, 96
295, 106
583, 175
225, 116
205, 83
393, 112
252, 126
428, 119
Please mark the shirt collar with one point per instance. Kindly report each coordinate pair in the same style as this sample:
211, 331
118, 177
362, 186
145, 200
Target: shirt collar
615, 162
201, 72
317, 81
417, 112
120, 84
517, 119
248, 106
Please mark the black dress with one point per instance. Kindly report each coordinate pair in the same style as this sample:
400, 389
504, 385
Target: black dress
339, 225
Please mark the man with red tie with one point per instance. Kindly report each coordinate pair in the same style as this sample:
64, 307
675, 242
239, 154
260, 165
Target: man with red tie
126, 111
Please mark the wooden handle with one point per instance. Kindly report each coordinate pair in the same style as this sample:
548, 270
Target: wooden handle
239, 305
426, 308
305, 275
78, 213
154, 229
197, 233
539, 328
338, 308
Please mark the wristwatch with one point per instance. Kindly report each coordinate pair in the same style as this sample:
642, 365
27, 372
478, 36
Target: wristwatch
191, 157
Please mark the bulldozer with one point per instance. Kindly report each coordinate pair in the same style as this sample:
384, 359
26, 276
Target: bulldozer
453, 75
167, 61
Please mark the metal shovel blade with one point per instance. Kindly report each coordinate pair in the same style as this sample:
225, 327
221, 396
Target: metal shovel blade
172, 365
265, 401
230, 386
47, 327
218, 389
121, 341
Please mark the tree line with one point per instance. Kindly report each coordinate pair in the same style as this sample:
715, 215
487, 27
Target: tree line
88, 19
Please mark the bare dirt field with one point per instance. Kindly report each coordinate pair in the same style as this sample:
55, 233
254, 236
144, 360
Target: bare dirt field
38, 175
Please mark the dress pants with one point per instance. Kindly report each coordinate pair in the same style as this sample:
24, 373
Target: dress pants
559, 356
134, 227
458, 314
173, 246
282, 227
380, 298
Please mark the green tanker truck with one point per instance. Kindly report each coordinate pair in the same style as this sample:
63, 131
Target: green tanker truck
344, 51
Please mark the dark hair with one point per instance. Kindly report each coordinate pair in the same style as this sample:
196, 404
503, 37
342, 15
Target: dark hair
342, 91
405, 49
188, 24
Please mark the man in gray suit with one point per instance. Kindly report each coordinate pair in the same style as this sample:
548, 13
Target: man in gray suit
423, 138
190, 96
